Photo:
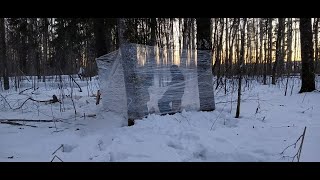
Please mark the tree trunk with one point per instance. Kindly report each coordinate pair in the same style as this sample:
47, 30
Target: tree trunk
219, 52
226, 71
269, 67
45, 47
289, 40
99, 34
3, 55
241, 60
204, 64
24, 48
316, 25
265, 56
279, 57
307, 71
235, 25
257, 56
185, 42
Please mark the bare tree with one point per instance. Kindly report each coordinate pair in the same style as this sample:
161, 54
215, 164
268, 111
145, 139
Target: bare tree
3, 55
289, 44
307, 71
270, 27
265, 56
99, 33
316, 25
240, 61
278, 65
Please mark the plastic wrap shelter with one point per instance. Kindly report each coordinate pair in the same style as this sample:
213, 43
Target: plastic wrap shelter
137, 80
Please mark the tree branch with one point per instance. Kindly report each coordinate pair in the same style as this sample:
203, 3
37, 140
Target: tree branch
16, 124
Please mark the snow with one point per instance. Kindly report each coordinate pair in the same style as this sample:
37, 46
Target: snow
269, 122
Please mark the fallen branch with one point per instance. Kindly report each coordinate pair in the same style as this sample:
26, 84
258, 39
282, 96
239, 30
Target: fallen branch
34, 90
53, 100
300, 148
297, 155
98, 97
16, 124
91, 115
30, 120
57, 149
307, 109
55, 156
24, 90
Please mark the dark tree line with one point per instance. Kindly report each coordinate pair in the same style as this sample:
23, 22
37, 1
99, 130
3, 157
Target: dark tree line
51, 46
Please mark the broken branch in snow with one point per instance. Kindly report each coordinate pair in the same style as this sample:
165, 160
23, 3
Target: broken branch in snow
25, 90
221, 102
98, 97
57, 149
218, 117
304, 97
307, 109
300, 148
34, 90
297, 155
15, 123
89, 115
55, 156
185, 118
53, 100
31, 120
257, 109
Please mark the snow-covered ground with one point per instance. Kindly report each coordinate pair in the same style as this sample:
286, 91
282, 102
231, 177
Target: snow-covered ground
269, 122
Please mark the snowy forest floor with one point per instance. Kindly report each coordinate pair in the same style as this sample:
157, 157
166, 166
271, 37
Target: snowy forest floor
269, 122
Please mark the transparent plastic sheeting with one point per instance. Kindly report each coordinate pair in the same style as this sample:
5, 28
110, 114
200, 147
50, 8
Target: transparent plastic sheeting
138, 80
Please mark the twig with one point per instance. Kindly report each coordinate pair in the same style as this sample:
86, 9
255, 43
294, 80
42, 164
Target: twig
185, 118
294, 144
300, 148
24, 90
217, 117
6, 101
75, 82
99, 144
53, 100
285, 92
55, 156
304, 97
297, 155
61, 146
243, 100
74, 107
307, 109
292, 88
176, 119
98, 97
34, 90
258, 106
91, 115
